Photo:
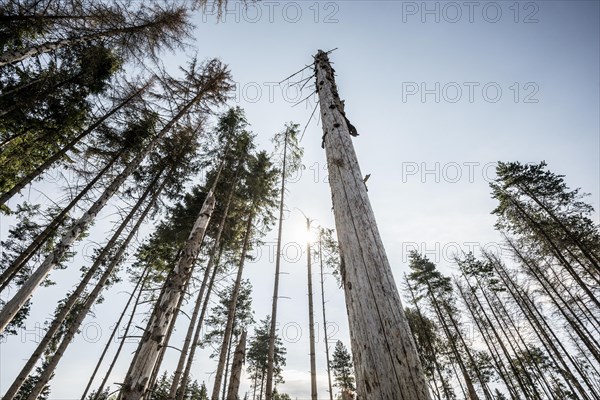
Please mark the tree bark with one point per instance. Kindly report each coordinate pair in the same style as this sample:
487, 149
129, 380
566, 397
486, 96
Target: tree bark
325, 319
272, 331
137, 381
236, 368
311, 321
387, 364
231, 312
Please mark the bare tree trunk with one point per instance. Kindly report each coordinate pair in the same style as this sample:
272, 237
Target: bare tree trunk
386, 360
311, 321
231, 312
324, 318
4, 197
137, 380
236, 368
271, 352
227, 362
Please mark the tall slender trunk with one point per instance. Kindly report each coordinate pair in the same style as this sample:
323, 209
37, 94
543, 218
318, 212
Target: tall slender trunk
231, 311
26, 291
524, 389
76, 295
165, 340
227, 363
216, 256
272, 330
4, 197
311, 320
236, 368
137, 380
324, 318
386, 361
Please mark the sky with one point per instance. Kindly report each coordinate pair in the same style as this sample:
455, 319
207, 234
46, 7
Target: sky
438, 91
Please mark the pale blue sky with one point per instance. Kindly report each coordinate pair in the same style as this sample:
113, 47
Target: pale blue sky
385, 50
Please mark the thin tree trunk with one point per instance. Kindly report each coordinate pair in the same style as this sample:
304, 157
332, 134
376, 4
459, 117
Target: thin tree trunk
501, 368
272, 330
196, 341
324, 318
311, 320
26, 291
227, 363
166, 340
387, 364
137, 381
236, 369
4, 197
472, 393
231, 312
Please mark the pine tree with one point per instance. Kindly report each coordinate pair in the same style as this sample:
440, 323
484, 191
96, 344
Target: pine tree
343, 370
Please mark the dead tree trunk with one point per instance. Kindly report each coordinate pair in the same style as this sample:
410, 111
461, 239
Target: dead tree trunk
231, 312
311, 321
136, 382
271, 351
236, 368
324, 317
386, 360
